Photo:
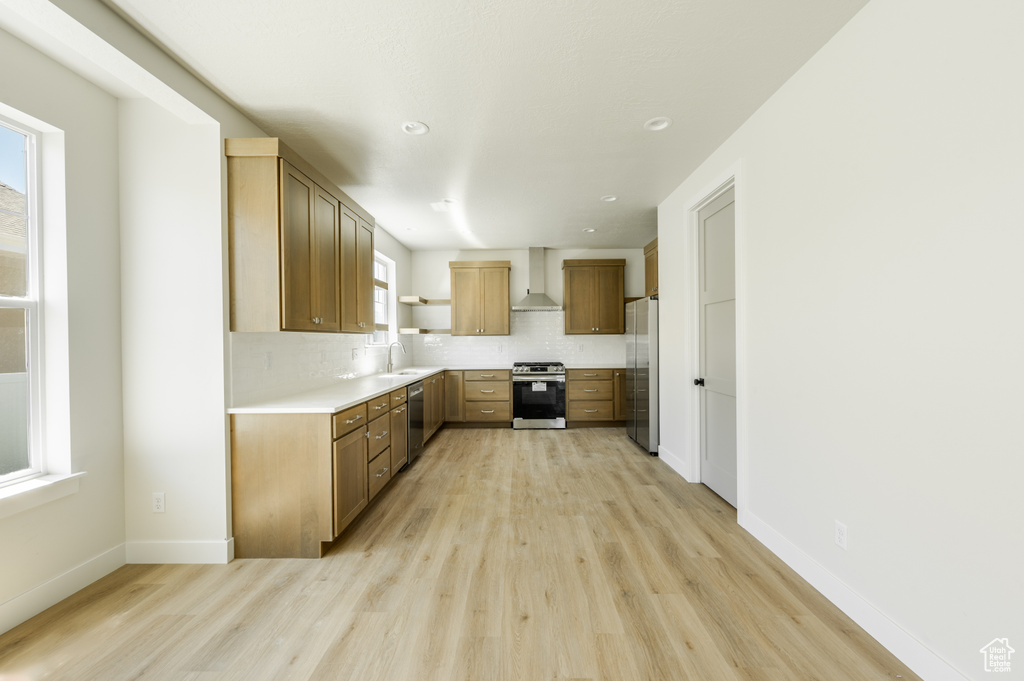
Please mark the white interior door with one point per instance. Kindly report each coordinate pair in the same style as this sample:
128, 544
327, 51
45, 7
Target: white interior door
717, 247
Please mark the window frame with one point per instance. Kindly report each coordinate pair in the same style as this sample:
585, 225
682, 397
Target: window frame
390, 332
32, 304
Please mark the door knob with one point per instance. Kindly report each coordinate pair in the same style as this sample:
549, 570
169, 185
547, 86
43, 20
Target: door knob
698, 381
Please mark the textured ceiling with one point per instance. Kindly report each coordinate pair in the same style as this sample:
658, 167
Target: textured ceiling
535, 107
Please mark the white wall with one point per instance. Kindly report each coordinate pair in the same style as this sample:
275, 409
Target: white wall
52, 550
879, 307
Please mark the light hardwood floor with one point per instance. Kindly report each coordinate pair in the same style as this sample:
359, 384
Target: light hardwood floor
499, 555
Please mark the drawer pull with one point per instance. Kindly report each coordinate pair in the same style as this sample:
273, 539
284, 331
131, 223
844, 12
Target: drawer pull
358, 416
384, 434
589, 375
486, 411
399, 411
382, 472
486, 375
380, 406
589, 411
589, 390
487, 391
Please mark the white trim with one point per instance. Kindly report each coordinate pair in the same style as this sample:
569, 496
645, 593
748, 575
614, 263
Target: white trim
676, 463
28, 494
49, 593
180, 552
925, 662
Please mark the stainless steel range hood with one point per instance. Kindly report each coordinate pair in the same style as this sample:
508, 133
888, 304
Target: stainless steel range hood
536, 300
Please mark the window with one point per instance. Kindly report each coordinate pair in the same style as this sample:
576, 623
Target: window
20, 328
383, 301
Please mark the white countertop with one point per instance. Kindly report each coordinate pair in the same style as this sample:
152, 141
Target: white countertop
337, 396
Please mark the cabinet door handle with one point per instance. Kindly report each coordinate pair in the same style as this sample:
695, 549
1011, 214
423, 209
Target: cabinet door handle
358, 416
486, 411
589, 411
487, 391
384, 434
382, 472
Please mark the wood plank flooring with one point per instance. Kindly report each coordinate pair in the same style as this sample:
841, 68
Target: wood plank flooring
499, 555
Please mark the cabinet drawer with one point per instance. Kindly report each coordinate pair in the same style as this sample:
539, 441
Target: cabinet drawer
378, 472
379, 436
488, 411
378, 406
491, 391
590, 390
399, 397
591, 411
591, 374
350, 419
487, 375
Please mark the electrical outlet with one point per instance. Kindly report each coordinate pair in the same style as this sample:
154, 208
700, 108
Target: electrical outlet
841, 535
355, 353
267, 361
580, 348
158, 502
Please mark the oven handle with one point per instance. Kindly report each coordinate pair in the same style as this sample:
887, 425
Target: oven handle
534, 379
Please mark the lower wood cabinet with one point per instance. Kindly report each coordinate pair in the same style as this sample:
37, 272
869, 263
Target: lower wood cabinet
488, 396
594, 395
298, 480
349, 477
433, 404
454, 397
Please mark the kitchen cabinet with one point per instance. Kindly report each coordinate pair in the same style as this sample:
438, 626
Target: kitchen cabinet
300, 251
594, 296
480, 298
309, 468
378, 453
619, 387
357, 273
651, 269
433, 404
488, 396
590, 395
399, 430
454, 397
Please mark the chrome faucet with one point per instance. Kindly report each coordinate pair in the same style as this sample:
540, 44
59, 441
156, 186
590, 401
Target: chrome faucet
391, 365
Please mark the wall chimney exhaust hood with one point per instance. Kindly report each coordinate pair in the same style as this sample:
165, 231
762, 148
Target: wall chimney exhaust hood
536, 300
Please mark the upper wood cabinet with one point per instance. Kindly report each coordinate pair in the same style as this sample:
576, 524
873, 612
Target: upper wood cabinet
357, 273
594, 296
300, 250
651, 269
480, 298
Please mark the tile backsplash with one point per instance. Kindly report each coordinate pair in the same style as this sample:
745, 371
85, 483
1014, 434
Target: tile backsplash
536, 336
269, 364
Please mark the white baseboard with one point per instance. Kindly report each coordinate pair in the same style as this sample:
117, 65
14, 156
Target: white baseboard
900, 643
31, 603
198, 552
676, 463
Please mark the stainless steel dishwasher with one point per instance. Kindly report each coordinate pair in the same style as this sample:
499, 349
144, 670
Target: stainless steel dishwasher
415, 420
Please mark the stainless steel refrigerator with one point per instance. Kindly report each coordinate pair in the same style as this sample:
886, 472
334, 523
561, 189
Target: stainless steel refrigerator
642, 373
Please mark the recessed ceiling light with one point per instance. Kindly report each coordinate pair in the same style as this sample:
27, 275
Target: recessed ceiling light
659, 123
415, 128
589, 230
609, 198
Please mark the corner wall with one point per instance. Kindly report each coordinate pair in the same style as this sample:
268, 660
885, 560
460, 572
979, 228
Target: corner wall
880, 305
51, 551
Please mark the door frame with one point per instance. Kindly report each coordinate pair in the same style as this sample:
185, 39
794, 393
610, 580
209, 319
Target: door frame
731, 178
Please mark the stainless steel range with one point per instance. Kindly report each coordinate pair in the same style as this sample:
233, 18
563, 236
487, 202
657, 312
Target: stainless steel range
538, 395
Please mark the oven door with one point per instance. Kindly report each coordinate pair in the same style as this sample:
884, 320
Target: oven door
538, 402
